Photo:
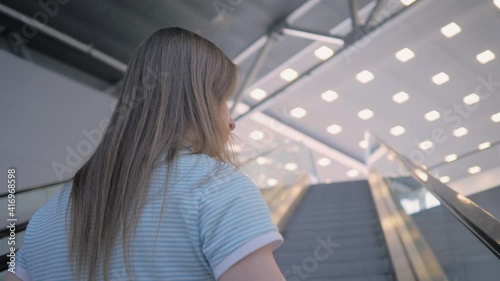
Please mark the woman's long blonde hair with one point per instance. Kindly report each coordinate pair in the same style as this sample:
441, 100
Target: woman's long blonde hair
174, 86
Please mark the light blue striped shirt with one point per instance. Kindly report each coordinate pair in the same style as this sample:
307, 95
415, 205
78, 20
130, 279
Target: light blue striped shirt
211, 221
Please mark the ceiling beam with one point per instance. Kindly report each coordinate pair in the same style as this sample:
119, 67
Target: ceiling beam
64, 38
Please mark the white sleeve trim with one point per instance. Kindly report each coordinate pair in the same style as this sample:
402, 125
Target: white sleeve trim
273, 238
22, 273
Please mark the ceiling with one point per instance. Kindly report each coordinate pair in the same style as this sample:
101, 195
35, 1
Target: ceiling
117, 27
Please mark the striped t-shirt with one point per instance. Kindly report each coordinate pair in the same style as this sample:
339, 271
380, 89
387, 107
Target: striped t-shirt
210, 222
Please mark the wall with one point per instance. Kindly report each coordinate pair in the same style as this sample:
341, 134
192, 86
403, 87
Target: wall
47, 121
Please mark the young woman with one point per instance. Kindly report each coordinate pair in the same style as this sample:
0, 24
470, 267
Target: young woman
160, 198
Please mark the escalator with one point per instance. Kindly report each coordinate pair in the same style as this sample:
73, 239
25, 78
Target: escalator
343, 215
400, 224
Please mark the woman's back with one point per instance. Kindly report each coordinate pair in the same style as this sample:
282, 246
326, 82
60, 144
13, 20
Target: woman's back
213, 217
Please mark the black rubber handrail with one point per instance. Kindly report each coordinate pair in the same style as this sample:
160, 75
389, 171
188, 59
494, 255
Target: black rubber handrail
480, 222
34, 188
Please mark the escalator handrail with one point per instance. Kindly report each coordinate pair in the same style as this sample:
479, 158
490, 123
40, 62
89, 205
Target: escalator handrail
35, 187
480, 222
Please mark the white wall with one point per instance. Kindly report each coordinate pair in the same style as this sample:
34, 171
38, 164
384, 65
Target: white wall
43, 115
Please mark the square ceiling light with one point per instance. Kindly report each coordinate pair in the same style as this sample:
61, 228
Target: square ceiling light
352, 173
365, 114
460, 132
432, 115
400, 97
450, 157
407, 2
334, 129
444, 179
258, 94
451, 30
289, 74
363, 144
495, 117
257, 135
329, 96
241, 108
474, 170
323, 162
425, 145
365, 76
471, 99
497, 3
272, 181
440, 78
485, 56
405, 55
298, 112
323, 53
484, 145
397, 130
291, 166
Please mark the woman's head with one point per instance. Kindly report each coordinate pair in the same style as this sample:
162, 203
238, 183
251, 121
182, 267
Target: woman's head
182, 81
174, 93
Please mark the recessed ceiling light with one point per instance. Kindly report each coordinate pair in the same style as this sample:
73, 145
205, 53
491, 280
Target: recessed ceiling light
291, 166
365, 76
363, 144
257, 135
272, 181
495, 117
471, 99
485, 56
397, 130
421, 174
474, 170
440, 78
444, 179
334, 129
365, 114
329, 96
298, 112
289, 74
400, 97
323, 53
450, 29
258, 94
484, 145
241, 108
324, 162
460, 132
352, 173
407, 2
432, 115
427, 144
497, 3
450, 157
405, 55
235, 148
262, 160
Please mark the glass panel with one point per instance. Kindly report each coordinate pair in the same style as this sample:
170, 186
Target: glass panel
479, 181
459, 253
282, 174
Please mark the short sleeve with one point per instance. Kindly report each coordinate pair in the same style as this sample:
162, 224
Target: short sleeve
21, 268
234, 221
